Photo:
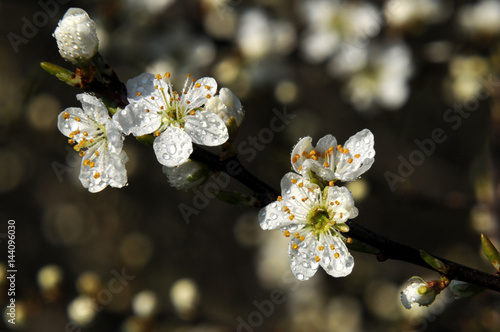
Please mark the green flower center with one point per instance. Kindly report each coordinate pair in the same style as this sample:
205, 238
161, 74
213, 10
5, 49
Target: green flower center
319, 221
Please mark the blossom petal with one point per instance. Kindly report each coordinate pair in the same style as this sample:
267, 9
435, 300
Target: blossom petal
173, 147
198, 94
93, 107
299, 196
304, 144
302, 259
206, 128
337, 262
145, 86
272, 216
137, 119
66, 122
109, 169
340, 200
325, 142
233, 104
361, 154
114, 135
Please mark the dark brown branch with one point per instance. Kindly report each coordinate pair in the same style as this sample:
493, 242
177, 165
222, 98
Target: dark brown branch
388, 249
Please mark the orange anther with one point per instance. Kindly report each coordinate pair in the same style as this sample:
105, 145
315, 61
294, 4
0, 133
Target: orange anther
317, 259
286, 233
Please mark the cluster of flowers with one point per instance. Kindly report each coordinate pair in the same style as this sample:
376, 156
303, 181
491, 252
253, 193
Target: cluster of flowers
312, 210
176, 120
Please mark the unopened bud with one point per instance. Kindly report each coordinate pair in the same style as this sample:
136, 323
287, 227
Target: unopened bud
418, 292
189, 175
76, 36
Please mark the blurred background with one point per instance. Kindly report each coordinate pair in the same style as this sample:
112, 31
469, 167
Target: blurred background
127, 260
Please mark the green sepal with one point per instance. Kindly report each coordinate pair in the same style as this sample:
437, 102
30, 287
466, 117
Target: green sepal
359, 246
236, 198
313, 178
146, 139
435, 263
491, 252
63, 74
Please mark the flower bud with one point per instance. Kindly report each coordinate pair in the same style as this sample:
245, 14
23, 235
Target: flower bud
418, 292
76, 36
188, 175
228, 107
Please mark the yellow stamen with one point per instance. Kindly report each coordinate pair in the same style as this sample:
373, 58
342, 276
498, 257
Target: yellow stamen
337, 255
279, 198
65, 115
197, 85
357, 155
302, 238
332, 247
317, 259
350, 160
321, 248
297, 235
295, 246
286, 233
96, 175
138, 94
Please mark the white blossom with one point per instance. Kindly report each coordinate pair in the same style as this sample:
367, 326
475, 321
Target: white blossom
176, 119
259, 36
98, 140
76, 36
412, 13
333, 26
330, 161
482, 17
382, 80
315, 219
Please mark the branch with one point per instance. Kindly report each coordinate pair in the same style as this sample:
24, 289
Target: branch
388, 249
